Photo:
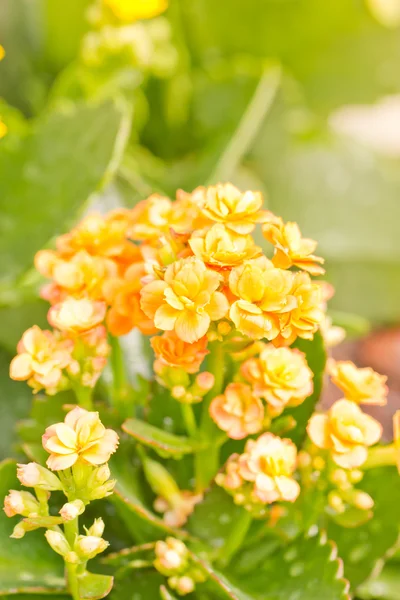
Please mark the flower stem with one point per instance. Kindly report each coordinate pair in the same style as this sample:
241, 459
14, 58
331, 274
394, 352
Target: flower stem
84, 396
189, 419
207, 461
71, 530
237, 536
120, 388
381, 456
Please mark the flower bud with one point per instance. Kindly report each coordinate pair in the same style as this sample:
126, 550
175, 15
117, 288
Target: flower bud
340, 478
88, 546
58, 542
18, 531
20, 503
184, 585
356, 475
71, 510
97, 529
205, 381
178, 392
363, 501
34, 475
102, 491
99, 476
336, 502
171, 557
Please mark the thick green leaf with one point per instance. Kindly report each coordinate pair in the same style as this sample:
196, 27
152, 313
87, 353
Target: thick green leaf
163, 442
307, 569
51, 174
316, 359
94, 587
27, 565
138, 585
15, 398
386, 586
363, 547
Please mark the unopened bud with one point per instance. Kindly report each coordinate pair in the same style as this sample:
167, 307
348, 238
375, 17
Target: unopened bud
58, 542
303, 459
178, 392
185, 585
97, 529
71, 510
102, 491
102, 474
34, 475
20, 503
356, 475
18, 532
363, 501
340, 478
205, 381
319, 463
88, 546
224, 328
171, 556
336, 502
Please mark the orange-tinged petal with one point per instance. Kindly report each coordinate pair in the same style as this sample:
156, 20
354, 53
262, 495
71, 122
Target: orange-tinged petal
190, 327
21, 367
319, 432
165, 317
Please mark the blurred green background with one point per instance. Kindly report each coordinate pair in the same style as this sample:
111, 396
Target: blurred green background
297, 98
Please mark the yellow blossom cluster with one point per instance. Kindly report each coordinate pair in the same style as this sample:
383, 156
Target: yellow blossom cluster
263, 474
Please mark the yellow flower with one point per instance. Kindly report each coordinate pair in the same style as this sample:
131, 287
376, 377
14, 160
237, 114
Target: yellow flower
224, 203
219, 246
281, 376
77, 316
128, 11
171, 351
2, 52
306, 316
41, 359
290, 248
346, 431
269, 462
81, 437
363, 386
264, 294
186, 300
237, 411
3, 129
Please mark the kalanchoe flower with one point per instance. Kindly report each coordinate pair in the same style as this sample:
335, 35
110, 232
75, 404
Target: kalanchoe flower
291, 249
82, 437
238, 411
220, 247
173, 560
89, 546
363, 386
346, 431
71, 510
97, 529
77, 316
187, 300
269, 462
41, 358
58, 542
34, 475
171, 351
264, 294
280, 376
21, 503
224, 203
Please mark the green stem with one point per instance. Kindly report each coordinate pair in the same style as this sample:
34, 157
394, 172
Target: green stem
120, 388
235, 540
189, 419
84, 396
71, 530
207, 461
249, 125
381, 456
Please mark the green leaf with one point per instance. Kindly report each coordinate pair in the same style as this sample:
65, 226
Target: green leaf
362, 548
219, 584
45, 411
163, 442
49, 176
94, 587
142, 585
213, 518
307, 569
316, 358
132, 499
385, 586
27, 565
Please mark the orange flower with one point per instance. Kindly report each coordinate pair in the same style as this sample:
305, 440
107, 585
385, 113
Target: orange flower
363, 386
290, 248
346, 431
77, 316
237, 411
265, 293
81, 437
41, 359
170, 350
123, 295
269, 462
306, 316
82, 274
186, 300
218, 246
101, 235
281, 376
224, 203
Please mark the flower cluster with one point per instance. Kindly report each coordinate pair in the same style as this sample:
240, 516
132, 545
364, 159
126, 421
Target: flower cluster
262, 474
346, 431
175, 562
79, 449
